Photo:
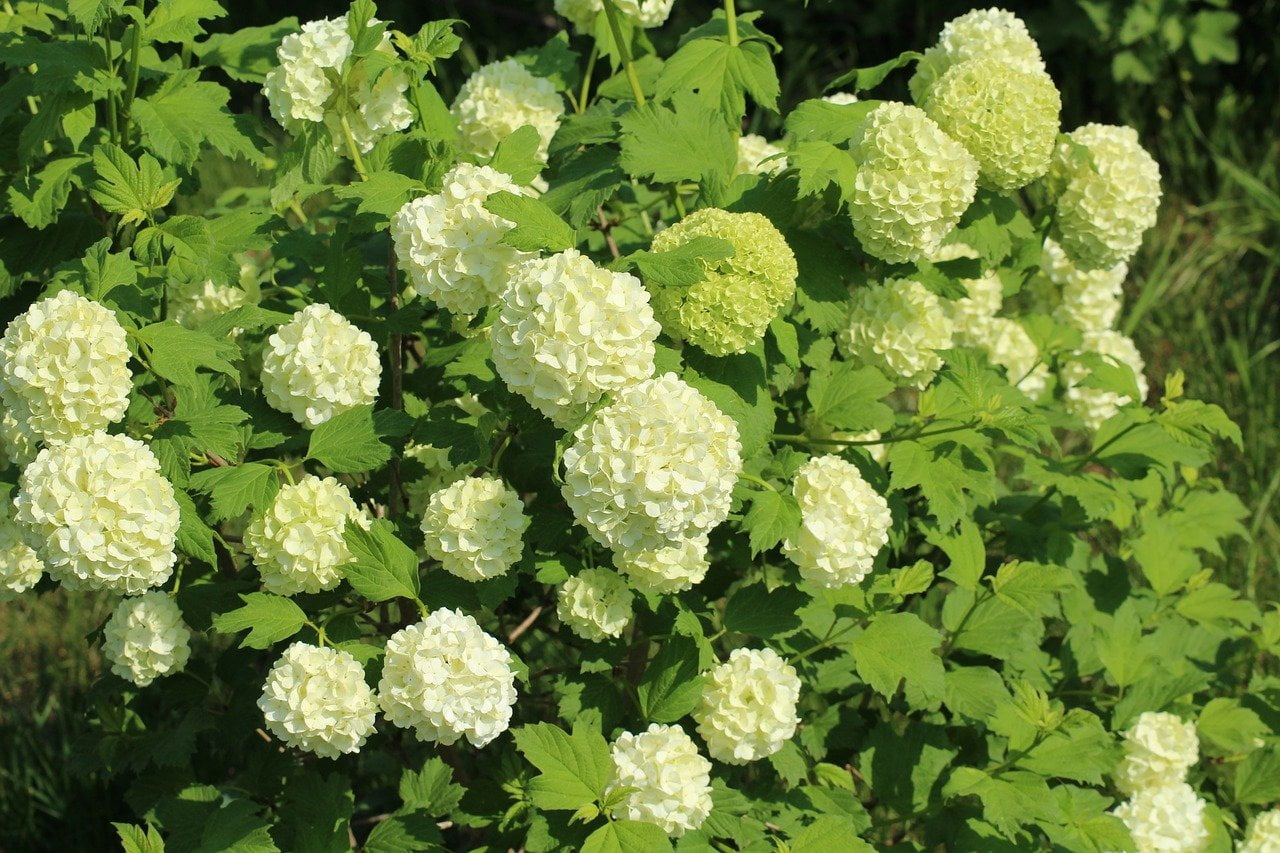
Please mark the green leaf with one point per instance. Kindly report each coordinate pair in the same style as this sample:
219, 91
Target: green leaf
1226, 728
383, 567
435, 40
92, 14
176, 352
773, 517
402, 833
1213, 37
232, 490
134, 839
687, 143
1031, 587
869, 78
760, 612
517, 155
848, 397
536, 226
627, 836
947, 469
681, 267
185, 114
100, 271
269, 618
967, 552
671, 684
829, 833
431, 789
195, 538
721, 74
248, 53
1012, 800
349, 442
382, 193
819, 120
820, 165
317, 811
574, 768
37, 198
1258, 776
898, 646
133, 190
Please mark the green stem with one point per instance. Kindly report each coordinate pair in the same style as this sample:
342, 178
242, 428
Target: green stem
353, 149
586, 77
131, 90
754, 479
624, 50
823, 643
731, 19
884, 439
111, 97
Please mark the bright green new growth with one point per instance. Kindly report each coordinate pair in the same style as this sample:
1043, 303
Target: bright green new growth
728, 310
1005, 115
914, 183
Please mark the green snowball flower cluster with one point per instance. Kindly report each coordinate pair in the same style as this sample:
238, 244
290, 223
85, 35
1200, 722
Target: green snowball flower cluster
1106, 188
729, 309
1006, 116
913, 184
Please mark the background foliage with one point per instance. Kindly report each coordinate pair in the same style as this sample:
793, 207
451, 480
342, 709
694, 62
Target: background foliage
1202, 298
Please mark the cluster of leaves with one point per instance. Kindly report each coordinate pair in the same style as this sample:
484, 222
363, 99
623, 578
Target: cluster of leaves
1041, 588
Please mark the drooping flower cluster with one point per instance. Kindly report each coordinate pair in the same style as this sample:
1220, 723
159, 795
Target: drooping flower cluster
654, 467
499, 99
845, 523
730, 308
316, 699
297, 542
753, 152
1263, 835
301, 88
450, 245
991, 33
671, 781
1089, 300
445, 678
145, 638
1163, 811
20, 567
643, 13
971, 314
319, 365
748, 706
595, 604
1165, 818
568, 332
1096, 405
913, 183
666, 570
63, 372
1105, 189
98, 513
474, 527
898, 326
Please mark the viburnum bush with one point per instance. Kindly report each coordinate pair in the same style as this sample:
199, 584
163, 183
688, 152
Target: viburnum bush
548, 465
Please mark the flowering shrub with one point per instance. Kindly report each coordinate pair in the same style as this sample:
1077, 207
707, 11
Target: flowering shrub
548, 465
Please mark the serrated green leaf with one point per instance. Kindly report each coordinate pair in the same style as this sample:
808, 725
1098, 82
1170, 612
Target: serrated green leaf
92, 14
382, 193
869, 78
898, 646
195, 538
316, 812
232, 490
1258, 776
722, 75
689, 142
184, 114
671, 683
178, 21
627, 836
175, 352
848, 397
817, 119
38, 197
431, 789
382, 566
574, 767
758, 611
773, 517
536, 226
134, 839
248, 53
132, 190
269, 618
349, 442
820, 165
518, 155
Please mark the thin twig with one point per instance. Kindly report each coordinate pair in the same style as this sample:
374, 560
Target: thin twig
525, 625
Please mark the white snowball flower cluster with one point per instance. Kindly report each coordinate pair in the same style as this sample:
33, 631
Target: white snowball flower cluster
643, 13
654, 467
319, 365
499, 99
989, 33
1263, 835
845, 523
595, 604
20, 567
667, 570
841, 99
1166, 819
297, 542
671, 781
898, 326
99, 514
568, 331
1105, 196
445, 678
450, 245
1089, 300
748, 706
1009, 346
753, 151
1159, 749
1096, 405
912, 186
316, 699
971, 314
474, 527
300, 89
145, 638
63, 372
